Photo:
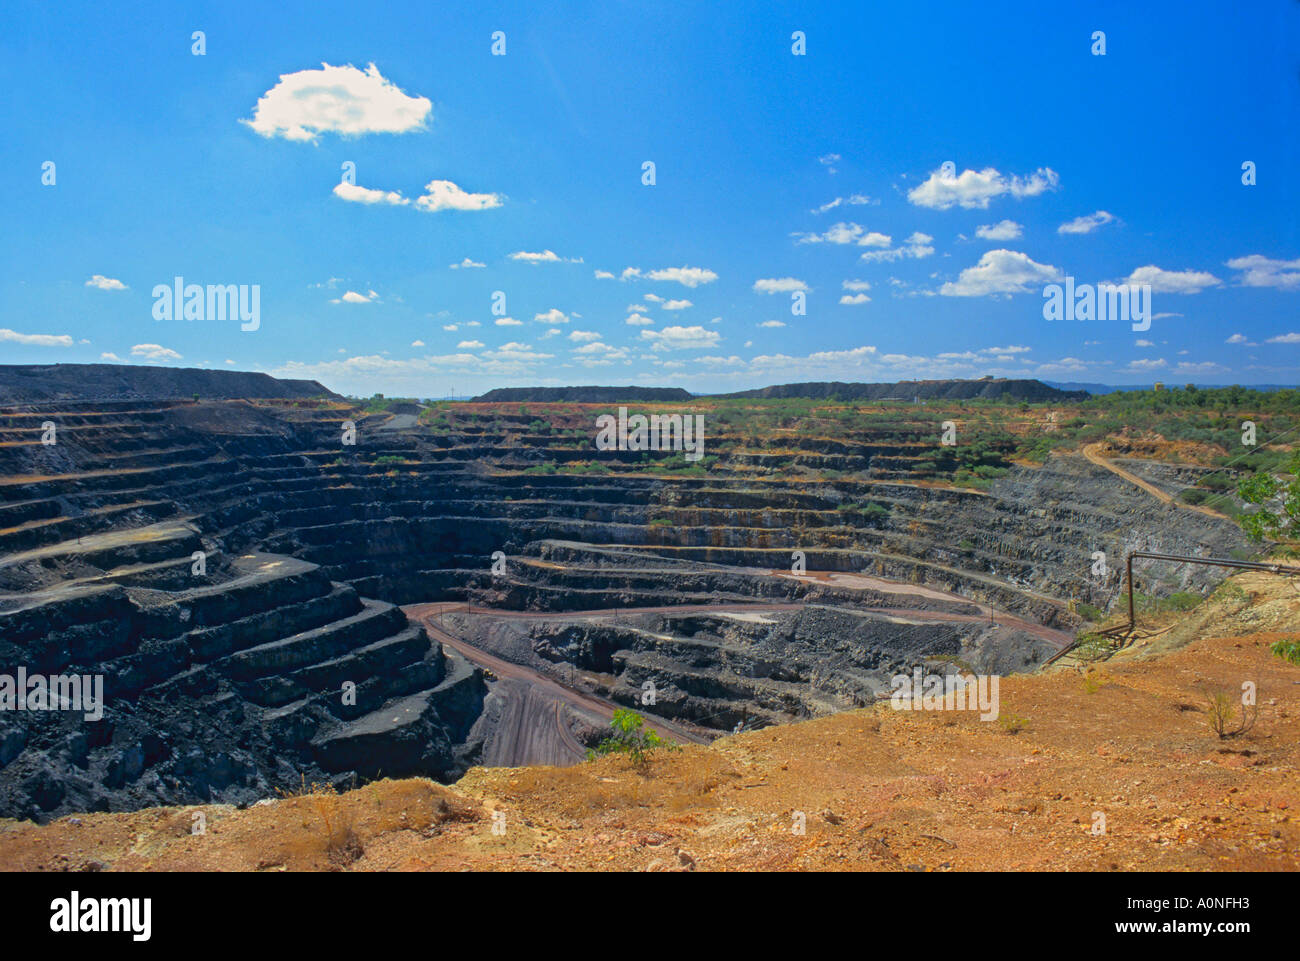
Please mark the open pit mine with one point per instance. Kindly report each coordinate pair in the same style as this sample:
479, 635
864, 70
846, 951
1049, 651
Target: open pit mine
277, 585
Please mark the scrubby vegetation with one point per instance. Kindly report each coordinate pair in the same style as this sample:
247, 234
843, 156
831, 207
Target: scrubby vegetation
629, 735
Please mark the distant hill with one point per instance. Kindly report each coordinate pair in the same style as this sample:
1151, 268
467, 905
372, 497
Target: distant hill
32, 383
1111, 389
986, 388
582, 395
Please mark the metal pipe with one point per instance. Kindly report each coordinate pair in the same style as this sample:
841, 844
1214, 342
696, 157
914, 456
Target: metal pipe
1208, 561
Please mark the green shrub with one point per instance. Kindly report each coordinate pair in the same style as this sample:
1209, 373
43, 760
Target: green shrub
629, 735
1288, 648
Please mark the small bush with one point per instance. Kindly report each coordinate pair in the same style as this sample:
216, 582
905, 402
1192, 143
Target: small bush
1013, 723
1288, 648
1221, 713
629, 735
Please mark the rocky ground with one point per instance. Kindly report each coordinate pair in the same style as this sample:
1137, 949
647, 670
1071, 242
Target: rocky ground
1126, 740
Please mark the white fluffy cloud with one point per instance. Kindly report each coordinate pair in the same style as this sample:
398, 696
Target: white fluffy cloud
974, 189
846, 233
105, 283
1002, 230
686, 276
543, 257
916, 246
438, 195
364, 195
778, 285
849, 299
597, 354
552, 316
1285, 339
154, 352
469, 345
445, 195
466, 264
638, 320
1087, 223
1000, 272
681, 338
583, 336
508, 322
1259, 271
1171, 281
352, 297
1140, 365
36, 340
342, 100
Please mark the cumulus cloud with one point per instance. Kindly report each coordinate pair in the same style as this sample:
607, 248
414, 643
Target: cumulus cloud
676, 304
552, 316
1002, 230
342, 100
681, 338
154, 352
1000, 272
583, 336
846, 233
1285, 339
543, 257
445, 195
772, 323
854, 299
686, 276
638, 320
110, 356
1260, 271
352, 297
916, 246
36, 340
604, 275
974, 189
597, 354
105, 283
363, 195
417, 343
469, 345
1087, 223
1171, 281
466, 264
778, 285
508, 322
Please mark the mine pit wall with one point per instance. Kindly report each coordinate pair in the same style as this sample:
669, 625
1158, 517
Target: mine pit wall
209, 718
1030, 539
716, 671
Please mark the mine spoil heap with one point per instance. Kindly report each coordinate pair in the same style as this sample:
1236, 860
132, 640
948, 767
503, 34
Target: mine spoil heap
232, 568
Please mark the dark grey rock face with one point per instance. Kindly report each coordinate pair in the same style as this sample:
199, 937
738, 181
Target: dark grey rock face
285, 658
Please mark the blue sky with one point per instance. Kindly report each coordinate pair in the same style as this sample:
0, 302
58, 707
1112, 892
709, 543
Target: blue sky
822, 172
